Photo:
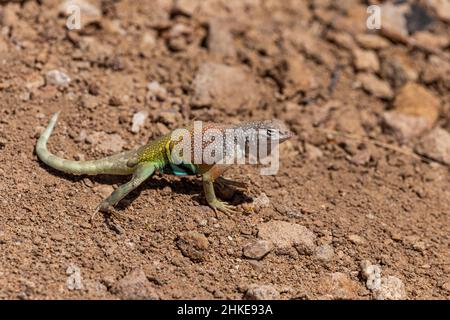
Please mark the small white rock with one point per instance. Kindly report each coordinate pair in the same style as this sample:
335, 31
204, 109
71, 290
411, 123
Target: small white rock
74, 278
392, 288
57, 78
262, 292
138, 120
262, 201
372, 274
155, 90
324, 252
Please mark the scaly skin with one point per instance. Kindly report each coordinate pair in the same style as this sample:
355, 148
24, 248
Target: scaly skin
156, 155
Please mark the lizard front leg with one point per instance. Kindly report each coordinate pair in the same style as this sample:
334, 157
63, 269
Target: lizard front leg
142, 172
208, 186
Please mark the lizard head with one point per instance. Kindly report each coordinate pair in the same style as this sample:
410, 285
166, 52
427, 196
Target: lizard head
274, 130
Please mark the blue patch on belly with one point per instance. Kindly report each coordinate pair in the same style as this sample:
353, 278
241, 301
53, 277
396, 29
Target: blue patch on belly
182, 169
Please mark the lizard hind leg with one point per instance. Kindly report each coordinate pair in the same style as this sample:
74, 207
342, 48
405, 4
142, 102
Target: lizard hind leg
142, 172
221, 181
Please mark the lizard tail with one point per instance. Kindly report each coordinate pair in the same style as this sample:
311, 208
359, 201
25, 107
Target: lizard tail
116, 164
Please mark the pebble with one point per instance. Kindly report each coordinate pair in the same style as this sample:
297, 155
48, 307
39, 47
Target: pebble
135, 286
365, 60
313, 152
138, 121
431, 40
372, 274
169, 117
294, 74
261, 292
156, 91
261, 202
324, 252
354, 238
74, 280
441, 8
361, 157
193, 245
435, 145
398, 67
57, 78
392, 288
104, 190
338, 285
285, 235
446, 286
220, 42
403, 127
416, 100
394, 24
371, 41
257, 249
375, 86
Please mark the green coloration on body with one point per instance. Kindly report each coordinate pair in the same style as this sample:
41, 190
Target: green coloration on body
156, 155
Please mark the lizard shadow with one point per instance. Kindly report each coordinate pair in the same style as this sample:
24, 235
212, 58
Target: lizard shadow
179, 185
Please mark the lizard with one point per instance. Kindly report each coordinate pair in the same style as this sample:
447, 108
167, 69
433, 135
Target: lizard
157, 155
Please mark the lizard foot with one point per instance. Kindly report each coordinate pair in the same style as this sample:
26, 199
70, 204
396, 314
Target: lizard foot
105, 207
223, 207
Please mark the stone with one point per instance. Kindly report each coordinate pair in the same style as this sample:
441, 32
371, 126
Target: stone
74, 280
394, 23
441, 8
324, 252
156, 91
169, 117
57, 78
313, 152
398, 67
257, 249
138, 121
193, 245
371, 41
228, 88
261, 292
104, 190
339, 286
294, 75
135, 286
360, 158
354, 238
435, 145
285, 235
430, 40
220, 42
392, 288
403, 127
416, 100
187, 7
365, 60
372, 274
375, 86
261, 202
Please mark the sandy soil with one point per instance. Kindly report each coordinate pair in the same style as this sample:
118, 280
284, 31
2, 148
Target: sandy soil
343, 218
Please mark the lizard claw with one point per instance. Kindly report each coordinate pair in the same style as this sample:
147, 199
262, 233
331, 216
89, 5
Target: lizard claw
223, 207
102, 207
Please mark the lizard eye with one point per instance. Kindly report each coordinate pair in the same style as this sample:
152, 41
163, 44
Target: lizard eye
272, 133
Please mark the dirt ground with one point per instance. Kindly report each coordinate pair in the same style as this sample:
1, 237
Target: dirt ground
360, 208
